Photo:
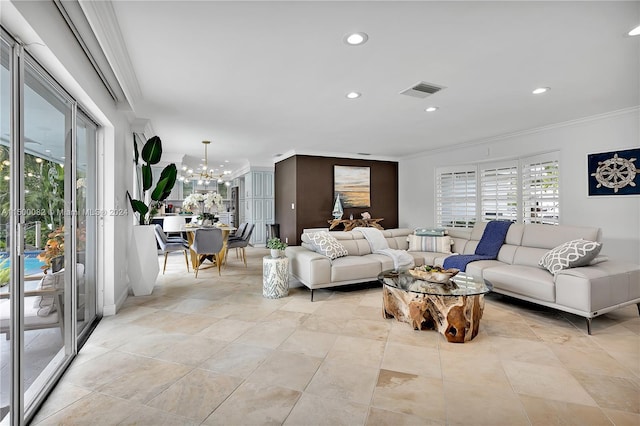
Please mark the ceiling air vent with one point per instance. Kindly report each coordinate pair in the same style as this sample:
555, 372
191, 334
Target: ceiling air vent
421, 90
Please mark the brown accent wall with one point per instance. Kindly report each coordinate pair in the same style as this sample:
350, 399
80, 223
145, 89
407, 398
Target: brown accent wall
307, 181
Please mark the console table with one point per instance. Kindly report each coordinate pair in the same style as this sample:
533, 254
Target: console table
349, 224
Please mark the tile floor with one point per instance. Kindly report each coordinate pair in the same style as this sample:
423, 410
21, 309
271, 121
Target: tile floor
213, 351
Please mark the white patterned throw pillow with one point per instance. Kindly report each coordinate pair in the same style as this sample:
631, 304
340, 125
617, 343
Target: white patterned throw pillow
570, 255
326, 244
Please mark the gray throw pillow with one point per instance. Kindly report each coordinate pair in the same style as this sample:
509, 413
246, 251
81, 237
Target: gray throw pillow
570, 255
325, 244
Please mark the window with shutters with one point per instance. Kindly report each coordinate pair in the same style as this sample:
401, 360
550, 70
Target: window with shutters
456, 197
525, 190
499, 192
541, 189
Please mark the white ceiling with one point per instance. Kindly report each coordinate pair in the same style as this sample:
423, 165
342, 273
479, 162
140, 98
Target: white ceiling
266, 78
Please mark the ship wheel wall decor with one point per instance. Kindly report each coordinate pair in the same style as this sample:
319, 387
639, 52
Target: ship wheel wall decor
614, 173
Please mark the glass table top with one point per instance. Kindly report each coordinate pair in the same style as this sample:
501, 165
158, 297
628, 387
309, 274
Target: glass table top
460, 285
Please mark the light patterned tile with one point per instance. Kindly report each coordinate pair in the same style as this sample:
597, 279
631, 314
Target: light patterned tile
410, 394
326, 411
145, 383
312, 343
547, 412
266, 335
286, 369
546, 382
347, 380
380, 417
357, 350
237, 360
253, 404
196, 395
617, 393
193, 350
412, 359
483, 403
94, 409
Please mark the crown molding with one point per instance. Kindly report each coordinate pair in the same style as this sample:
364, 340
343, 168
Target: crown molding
104, 23
535, 130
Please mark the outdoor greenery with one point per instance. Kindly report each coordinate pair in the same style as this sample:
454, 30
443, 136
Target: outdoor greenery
44, 196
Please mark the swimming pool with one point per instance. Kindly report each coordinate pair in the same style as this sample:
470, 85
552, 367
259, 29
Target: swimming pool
31, 263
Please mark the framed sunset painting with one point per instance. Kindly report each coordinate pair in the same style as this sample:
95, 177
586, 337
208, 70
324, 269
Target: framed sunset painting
352, 184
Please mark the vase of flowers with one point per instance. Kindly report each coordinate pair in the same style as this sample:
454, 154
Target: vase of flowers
209, 203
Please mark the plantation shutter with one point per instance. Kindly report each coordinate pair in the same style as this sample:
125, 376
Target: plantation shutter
541, 189
499, 191
456, 197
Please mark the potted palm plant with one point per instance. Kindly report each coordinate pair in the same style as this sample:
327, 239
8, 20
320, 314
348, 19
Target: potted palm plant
143, 259
277, 247
151, 154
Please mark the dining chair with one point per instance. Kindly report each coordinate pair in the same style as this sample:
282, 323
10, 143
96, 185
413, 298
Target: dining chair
207, 242
239, 232
242, 243
173, 225
168, 245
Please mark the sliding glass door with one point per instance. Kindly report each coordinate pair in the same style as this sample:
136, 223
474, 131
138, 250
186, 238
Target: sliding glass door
47, 231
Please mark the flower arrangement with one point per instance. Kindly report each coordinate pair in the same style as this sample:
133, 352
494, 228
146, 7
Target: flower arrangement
210, 199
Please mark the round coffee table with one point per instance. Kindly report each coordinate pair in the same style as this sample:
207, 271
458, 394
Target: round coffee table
453, 308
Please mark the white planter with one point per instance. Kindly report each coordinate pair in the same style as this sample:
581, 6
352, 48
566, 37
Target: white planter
143, 260
276, 253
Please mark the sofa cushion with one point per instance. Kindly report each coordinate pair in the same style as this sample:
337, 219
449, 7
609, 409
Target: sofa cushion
528, 281
570, 255
475, 269
45, 305
550, 236
352, 268
326, 245
429, 243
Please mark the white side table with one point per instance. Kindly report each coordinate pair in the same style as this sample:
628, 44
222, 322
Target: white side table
275, 277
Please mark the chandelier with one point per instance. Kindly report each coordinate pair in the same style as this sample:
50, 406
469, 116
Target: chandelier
202, 174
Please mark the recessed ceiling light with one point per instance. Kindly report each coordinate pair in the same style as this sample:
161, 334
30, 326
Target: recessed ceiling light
635, 31
353, 95
431, 109
356, 39
540, 90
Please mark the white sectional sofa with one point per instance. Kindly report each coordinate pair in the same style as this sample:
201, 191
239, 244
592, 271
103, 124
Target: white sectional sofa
587, 291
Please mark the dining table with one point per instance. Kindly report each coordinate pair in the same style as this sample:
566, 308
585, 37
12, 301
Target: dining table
190, 230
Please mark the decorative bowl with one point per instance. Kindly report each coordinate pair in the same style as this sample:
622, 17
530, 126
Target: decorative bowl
434, 274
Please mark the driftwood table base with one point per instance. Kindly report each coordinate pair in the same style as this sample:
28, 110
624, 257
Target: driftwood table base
457, 318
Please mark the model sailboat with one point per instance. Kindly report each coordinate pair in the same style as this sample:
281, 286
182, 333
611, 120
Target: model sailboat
337, 208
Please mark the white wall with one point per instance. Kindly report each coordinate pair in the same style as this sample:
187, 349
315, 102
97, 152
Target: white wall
617, 216
41, 27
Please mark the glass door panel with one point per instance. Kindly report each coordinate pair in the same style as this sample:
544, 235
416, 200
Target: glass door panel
5, 217
47, 127
86, 218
